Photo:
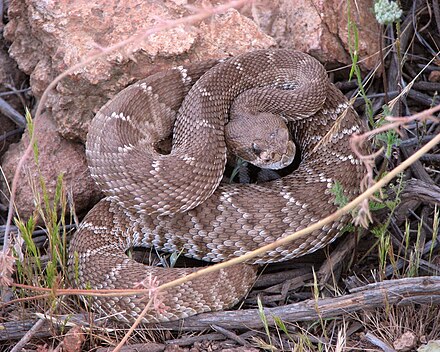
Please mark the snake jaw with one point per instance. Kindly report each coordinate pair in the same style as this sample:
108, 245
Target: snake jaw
275, 160
260, 138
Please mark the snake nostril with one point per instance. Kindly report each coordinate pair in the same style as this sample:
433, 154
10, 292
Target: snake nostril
257, 150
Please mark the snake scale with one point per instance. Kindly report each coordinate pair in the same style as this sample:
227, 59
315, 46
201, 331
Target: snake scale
175, 201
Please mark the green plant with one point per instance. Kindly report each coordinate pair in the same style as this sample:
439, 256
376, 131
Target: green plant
263, 319
32, 269
240, 163
380, 231
353, 46
338, 191
390, 138
435, 226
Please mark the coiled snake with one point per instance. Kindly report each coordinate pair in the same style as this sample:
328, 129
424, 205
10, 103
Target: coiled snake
175, 201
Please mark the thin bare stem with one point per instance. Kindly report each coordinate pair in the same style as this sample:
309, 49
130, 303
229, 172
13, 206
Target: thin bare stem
133, 326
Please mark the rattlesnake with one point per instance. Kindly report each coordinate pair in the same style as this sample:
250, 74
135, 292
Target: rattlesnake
175, 203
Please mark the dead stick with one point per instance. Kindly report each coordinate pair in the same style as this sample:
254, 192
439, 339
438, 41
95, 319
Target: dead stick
26, 338
403, 292
13, 114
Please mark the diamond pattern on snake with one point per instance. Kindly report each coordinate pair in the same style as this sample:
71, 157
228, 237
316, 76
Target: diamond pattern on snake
264, 106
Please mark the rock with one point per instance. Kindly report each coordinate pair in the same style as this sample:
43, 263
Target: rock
231, 34
434, 76
56, 156
47, 37
319, 27
431, 346
74, 339
66, 33
406, 342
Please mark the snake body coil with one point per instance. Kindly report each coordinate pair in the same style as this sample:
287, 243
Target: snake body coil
175, 201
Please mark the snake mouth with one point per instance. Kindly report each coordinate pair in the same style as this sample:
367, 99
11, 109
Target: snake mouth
274, 160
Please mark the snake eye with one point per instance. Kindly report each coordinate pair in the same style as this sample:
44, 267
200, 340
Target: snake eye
256, 149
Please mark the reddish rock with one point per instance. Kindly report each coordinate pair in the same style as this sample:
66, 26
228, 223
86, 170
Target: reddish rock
57, 156
434, 76
319, 27
74, 339
229, 35
48, 37
53, 36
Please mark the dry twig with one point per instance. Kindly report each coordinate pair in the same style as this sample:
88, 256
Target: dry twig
407, 291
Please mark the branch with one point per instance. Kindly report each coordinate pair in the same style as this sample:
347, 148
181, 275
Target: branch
13, 114
422, 290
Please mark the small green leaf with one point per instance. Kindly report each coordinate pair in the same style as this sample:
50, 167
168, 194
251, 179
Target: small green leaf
338, 191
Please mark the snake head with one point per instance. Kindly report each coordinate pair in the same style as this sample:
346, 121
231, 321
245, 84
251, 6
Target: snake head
262, 139
273, 156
